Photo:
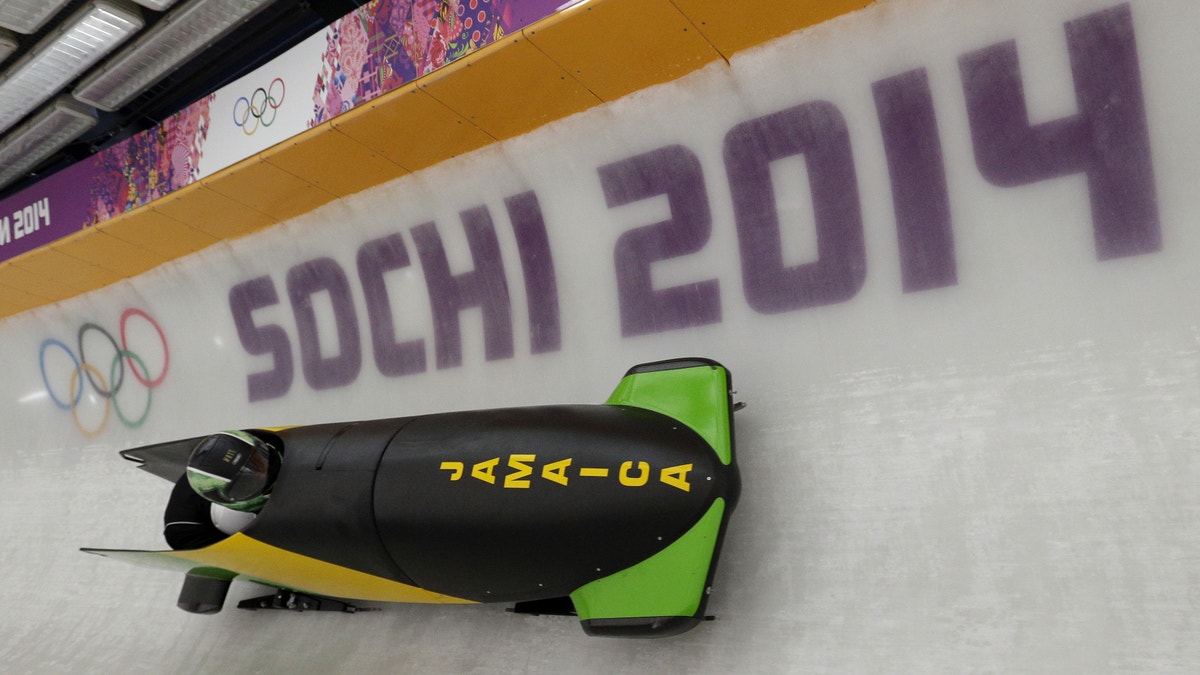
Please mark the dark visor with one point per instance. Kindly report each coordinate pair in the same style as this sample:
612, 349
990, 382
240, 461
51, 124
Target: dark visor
250, 469
251, 478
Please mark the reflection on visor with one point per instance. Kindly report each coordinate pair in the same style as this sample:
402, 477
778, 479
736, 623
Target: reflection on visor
251, 478
248, 481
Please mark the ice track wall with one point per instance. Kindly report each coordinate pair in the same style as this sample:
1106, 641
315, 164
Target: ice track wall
947, 250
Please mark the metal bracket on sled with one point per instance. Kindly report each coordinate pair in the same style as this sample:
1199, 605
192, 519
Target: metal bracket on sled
300, 602
737, 405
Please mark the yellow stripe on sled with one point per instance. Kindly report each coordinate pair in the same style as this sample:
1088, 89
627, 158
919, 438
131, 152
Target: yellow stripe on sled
279, 567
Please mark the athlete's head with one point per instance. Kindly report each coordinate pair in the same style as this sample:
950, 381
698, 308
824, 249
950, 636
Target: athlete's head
234, 469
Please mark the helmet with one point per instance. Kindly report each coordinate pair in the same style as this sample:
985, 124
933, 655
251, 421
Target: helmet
234, 469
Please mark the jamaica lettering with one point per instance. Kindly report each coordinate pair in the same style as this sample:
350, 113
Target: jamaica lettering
630, 473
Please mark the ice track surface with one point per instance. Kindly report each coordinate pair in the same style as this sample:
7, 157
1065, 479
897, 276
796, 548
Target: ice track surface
948, 251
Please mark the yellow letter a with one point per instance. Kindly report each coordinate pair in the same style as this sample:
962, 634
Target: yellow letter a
556, 471
485, 471
676, 476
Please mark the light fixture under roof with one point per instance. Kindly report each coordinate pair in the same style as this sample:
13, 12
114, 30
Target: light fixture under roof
91, 33
44, 134
8, 44
27, 16
156, 5
172, 41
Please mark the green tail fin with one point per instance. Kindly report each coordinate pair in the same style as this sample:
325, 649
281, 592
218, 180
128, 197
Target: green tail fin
663, 595
693, 391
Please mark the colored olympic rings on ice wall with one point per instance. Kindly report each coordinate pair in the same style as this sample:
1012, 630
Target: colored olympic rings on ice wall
106, 378
260, 108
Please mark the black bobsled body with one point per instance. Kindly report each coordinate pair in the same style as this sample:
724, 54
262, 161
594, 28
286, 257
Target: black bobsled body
619, 507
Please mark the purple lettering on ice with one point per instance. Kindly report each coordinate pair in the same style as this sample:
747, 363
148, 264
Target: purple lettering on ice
537, 267
673, 171
304, 281
449, 294
375, 258
244, 299
817, 131
917, 174
485, 287
1107, 139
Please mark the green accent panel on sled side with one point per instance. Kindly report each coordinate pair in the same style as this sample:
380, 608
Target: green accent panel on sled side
164, 560
670, 583
698, 396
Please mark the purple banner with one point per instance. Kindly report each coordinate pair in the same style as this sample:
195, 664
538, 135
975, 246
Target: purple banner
45, 212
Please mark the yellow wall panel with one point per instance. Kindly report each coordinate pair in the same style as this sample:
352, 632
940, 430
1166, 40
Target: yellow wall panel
105, 251
61, 275
15, 300
210, 212
151, 230
508, 88
8, 306
733, 26
84, 278
332, 161
267, 188
656, 44
22, 282
411, 129
48, 267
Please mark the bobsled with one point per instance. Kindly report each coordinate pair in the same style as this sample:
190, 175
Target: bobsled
614, 513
